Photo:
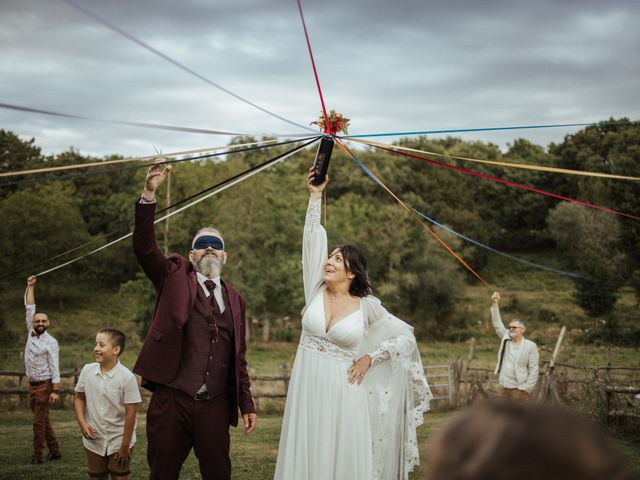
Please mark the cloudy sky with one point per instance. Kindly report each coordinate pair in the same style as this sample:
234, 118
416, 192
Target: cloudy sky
388, 65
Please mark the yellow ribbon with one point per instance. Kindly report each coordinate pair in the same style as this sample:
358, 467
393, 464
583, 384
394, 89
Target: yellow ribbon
422, 222
131, 159
501, 164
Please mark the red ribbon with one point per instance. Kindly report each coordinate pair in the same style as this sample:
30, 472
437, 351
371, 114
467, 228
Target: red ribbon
507, 182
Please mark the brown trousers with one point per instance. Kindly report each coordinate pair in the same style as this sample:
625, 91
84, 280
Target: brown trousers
176, 423
42, 428
514, 394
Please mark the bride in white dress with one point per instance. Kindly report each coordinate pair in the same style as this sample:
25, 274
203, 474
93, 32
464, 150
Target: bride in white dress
357, 390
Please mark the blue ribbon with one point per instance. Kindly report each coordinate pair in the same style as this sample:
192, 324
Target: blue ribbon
521, 127
475, 242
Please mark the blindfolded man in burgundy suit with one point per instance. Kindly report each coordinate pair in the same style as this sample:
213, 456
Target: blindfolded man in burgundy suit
193, 358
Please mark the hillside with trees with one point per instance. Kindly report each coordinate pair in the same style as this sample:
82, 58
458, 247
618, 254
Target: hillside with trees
45, 215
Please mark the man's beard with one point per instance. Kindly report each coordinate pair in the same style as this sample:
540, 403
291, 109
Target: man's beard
40, 330
208, 265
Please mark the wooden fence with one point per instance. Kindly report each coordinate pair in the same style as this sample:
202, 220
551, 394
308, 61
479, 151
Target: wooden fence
609, 391
269, 391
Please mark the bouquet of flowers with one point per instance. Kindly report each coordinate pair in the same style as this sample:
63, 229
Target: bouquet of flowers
334, 124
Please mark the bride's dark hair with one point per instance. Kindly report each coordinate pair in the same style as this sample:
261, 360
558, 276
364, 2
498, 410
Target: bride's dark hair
355, 262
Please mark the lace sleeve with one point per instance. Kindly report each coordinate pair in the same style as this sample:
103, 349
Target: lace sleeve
395, 348
314, 250
398, 391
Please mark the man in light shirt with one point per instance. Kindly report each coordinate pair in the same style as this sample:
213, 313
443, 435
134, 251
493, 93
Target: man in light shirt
517, 358
42, 369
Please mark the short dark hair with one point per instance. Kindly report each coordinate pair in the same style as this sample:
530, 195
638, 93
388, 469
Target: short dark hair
117, 338
502, 441
355, 261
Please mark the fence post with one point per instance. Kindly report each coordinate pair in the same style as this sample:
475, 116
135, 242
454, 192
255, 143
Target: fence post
450, 381
285, 376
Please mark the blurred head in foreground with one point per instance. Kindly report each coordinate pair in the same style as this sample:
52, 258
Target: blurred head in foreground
526, 442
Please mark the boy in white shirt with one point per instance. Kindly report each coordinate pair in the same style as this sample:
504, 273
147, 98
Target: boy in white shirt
107, 397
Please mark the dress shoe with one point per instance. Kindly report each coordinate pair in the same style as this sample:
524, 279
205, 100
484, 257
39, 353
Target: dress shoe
54, 456
36, 460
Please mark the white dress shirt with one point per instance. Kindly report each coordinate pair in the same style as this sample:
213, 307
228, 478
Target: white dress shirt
40, 353
106, 395
217, 293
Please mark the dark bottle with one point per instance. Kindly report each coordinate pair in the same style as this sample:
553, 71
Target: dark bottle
323, 156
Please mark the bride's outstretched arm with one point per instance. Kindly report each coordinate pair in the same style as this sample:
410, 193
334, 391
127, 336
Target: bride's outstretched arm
314, 241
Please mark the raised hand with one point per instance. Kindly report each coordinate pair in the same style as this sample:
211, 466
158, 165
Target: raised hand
315, 190
31, 281
155, 177
495, 297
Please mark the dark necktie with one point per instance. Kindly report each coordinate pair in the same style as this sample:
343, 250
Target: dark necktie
211, 286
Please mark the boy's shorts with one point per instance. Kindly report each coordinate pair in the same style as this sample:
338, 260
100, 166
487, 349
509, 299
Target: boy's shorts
101, 465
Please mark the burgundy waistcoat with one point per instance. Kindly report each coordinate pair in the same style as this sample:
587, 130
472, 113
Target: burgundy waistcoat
203, 359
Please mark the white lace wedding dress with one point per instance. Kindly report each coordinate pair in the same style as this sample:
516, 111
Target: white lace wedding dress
333, 430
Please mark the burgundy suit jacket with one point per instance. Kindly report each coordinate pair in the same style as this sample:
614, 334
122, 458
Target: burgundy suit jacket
176, 284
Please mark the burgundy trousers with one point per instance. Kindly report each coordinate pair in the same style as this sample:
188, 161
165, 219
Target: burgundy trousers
176, 423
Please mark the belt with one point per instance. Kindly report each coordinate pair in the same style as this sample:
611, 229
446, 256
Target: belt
198, 396
201, 396
41, 382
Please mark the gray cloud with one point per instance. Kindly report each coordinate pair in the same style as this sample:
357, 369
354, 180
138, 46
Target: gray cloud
390, 66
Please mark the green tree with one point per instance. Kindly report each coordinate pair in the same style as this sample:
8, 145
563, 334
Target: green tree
591, 240
38, 224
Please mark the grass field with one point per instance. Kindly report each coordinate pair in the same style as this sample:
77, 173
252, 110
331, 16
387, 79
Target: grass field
544, 301
253, 456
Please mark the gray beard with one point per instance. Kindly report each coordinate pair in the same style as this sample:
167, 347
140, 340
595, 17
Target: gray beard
208, 266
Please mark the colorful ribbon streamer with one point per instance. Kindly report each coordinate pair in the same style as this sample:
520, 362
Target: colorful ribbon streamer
149, 157
409, 209
313, 63
148, 47
539, 168
226, 184
507, 182
20, 108
475, 242
487, 129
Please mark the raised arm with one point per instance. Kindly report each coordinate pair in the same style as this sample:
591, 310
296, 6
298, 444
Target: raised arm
156, 176
30, 301
495, 316
145, 247
314, 240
